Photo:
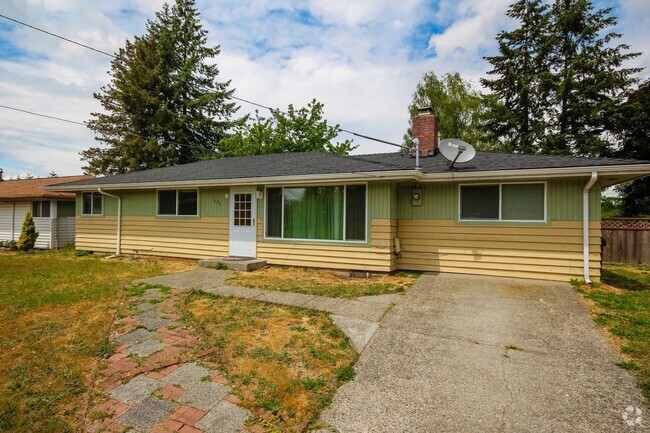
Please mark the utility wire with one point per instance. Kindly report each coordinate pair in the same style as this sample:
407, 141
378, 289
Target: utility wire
247, 101
59, 36
42, 115
84, 124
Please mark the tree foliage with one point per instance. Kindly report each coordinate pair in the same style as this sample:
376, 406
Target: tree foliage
28, 234
560, 78
632, 123
164, 105
460, 109
296, 130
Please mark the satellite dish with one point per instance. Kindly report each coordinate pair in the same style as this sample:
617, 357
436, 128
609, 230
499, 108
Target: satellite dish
456, 150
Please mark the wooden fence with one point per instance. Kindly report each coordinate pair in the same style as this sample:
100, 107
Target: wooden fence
628, 240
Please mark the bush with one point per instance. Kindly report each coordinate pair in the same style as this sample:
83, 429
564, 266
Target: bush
28, 235
8, 244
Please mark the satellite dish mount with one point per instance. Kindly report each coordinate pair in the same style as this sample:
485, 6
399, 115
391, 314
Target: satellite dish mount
456, 151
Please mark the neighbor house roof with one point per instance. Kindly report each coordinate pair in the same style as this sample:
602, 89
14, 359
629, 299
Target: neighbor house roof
32, 188
323, 165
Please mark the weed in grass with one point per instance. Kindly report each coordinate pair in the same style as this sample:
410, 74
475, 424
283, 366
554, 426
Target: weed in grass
628, 365
298, 328
106, 349
313, 384
345, 373
206, 379
81, 253
284, 357
221, 266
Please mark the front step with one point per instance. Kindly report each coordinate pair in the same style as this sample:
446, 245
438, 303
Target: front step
238, 264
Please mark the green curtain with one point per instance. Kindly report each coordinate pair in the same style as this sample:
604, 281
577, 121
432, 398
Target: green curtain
313, 213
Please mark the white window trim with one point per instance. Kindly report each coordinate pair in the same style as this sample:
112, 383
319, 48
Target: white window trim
176, 215
92, 204
283, 239
500, 185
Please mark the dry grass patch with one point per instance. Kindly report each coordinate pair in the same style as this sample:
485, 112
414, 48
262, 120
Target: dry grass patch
56, 309
322, 282
284, 362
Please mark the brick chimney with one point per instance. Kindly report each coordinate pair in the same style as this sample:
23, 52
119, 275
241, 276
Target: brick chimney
425, 128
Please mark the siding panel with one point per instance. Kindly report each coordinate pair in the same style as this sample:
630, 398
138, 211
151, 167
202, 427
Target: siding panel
551, 252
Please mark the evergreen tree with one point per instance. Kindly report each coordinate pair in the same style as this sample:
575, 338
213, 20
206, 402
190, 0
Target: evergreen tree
299, 130
589, 80
460, 109
28, 234
632, 123
164, 105
521, 82
559, 78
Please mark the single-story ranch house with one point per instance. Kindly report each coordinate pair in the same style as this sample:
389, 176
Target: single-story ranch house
53, 212
499, 214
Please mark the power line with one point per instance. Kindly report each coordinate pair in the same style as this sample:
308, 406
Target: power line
59, 36
233, 97
42, 115
84, 124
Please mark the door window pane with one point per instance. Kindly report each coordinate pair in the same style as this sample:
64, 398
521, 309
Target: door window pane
524, 202
167, 202
479, 202
187, 202
355, 213
274, 212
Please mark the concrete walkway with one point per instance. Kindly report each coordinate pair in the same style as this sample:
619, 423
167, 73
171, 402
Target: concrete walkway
358, 318
480, 354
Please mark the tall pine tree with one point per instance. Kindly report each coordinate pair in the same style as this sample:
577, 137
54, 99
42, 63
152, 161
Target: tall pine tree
589, 80
521, 82
560, 78
164, 105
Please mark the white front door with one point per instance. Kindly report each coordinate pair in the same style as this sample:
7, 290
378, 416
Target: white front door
243, 230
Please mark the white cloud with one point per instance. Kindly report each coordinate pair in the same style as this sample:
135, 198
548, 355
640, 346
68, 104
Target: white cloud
358, 58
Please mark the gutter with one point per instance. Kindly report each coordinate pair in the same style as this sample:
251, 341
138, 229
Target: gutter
585, 225
118, 246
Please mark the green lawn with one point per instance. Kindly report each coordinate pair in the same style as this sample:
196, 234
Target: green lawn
56, 310
621, 304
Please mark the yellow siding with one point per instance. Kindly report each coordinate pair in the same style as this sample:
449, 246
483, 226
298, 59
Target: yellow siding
185, 238
552, 252
376, 257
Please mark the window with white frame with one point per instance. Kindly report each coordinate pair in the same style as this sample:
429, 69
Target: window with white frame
91, 203
503, 202
41, 209
332, 213
178, 202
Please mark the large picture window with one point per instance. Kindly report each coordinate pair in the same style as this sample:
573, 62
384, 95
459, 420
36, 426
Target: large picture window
332, 213
178, 202
92, 203
503, 202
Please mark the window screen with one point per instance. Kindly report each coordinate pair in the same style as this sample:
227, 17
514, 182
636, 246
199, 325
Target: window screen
523, 202
355, 213
167, 202
97, 203
87, 203
479, 202
188, 202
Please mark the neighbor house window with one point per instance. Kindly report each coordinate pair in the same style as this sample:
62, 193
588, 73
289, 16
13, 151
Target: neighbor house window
333, 213
503, 202
41, 209
172, 202
92, 203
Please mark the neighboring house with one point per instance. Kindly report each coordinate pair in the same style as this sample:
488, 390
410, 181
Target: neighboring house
53, 212
499, 214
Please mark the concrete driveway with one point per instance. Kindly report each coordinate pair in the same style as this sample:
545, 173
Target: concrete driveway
482, 354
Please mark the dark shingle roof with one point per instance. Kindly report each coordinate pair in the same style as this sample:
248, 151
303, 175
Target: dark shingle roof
310, 163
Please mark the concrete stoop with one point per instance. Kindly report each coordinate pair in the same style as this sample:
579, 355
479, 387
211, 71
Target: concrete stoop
238, 264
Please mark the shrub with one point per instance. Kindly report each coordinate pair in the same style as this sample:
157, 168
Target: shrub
28, 235
8, 244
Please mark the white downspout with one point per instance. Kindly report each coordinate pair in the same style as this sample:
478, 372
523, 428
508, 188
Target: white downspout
118, 246
585, 225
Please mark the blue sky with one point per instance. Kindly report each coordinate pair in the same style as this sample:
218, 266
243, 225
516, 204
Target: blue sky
362, 59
